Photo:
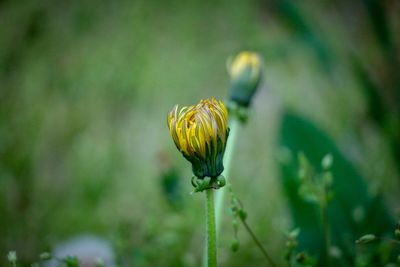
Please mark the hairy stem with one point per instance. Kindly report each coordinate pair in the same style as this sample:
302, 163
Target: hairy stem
211, 231
258, 243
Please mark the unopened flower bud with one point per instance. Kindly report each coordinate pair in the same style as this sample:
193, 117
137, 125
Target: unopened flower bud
245, 73
200, 132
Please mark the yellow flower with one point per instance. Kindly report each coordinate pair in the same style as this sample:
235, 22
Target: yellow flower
200, 132
245, 71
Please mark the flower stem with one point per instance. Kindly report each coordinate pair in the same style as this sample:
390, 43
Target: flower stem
234, 125
258, 243
326, 227
211, 231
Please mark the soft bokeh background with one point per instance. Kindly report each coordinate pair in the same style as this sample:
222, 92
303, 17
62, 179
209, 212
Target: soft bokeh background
85, 87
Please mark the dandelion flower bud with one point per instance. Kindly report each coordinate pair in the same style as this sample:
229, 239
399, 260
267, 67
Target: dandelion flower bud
245, 73
200, 132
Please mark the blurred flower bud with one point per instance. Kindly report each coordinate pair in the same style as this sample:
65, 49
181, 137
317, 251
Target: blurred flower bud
327, 161
45, 256
12, 256
397, 233
245, 73
294, 233
366, 239
235, 245
99, 262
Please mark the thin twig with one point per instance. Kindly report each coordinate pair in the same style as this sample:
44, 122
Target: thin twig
326, 228
258, 243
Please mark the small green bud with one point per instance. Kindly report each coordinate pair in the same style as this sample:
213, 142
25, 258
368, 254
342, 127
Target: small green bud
397, 233
335, 252
300, 257
294, 233
242, 215
309, 193
99, 262
245, 72
243, 114
366, 239
327, 161
221, 181
12, 256
45, 256
235, 245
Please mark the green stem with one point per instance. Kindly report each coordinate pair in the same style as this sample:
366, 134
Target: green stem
211, 231
326, 229
234, 125
391, 240
258, 243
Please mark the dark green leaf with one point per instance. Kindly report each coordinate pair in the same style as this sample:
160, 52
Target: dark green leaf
350, 191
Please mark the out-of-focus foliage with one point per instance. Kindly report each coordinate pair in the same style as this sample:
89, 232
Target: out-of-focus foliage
84, 91
352, 210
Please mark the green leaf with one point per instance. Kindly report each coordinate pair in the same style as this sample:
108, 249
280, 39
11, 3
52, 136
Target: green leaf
298, 135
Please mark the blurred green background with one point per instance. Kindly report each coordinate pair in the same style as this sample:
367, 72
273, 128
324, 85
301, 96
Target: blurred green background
85, 87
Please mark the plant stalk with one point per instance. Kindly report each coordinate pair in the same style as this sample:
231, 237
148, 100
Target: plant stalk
258, 243
211, 231
326, 228
234, 125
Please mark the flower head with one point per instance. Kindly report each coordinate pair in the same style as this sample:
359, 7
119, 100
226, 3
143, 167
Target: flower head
245, 72
200, 132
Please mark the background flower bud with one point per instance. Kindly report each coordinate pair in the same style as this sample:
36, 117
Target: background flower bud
245, 73
366, 239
